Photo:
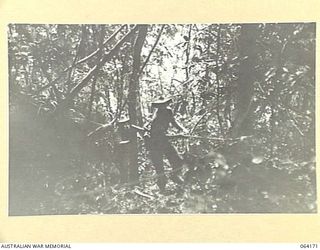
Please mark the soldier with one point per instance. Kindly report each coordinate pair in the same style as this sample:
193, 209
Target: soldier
159, 143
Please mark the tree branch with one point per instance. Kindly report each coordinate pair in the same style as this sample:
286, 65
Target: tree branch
152, 49
100, 48
198, 122
80, 61
94, 70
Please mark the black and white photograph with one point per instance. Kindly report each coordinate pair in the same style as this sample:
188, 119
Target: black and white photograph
161, 118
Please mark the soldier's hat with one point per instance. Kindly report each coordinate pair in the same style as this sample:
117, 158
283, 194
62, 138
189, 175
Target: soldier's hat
162, 101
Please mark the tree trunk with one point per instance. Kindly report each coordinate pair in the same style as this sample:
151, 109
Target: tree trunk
133, 98
247, 76
218, 79
94, 81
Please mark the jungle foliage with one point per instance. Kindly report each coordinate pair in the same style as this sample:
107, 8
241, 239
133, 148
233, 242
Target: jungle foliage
245, 92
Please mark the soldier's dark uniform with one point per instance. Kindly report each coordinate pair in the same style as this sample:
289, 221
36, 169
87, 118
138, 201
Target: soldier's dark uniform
159, 143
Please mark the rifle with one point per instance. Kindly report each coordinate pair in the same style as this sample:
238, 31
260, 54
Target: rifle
184, 136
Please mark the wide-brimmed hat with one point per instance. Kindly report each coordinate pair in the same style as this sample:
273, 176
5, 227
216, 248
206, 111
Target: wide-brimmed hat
162, 101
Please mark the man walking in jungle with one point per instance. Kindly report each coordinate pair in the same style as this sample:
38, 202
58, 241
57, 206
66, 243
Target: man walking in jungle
159, 142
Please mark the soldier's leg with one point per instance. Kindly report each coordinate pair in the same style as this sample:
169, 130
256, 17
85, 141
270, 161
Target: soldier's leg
175, 161
157, 160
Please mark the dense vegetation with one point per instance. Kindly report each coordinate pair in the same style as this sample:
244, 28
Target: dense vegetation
245, 92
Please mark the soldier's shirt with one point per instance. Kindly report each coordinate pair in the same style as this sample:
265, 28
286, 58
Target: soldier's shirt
162, 121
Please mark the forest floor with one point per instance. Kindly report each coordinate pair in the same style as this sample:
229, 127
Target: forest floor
49, 175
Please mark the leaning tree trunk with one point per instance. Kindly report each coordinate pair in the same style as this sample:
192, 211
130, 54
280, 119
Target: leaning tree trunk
133, 98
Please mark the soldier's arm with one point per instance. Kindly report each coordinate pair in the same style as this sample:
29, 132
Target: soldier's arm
148, 123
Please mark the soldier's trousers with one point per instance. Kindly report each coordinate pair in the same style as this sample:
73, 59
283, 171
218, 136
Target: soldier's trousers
160, 147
